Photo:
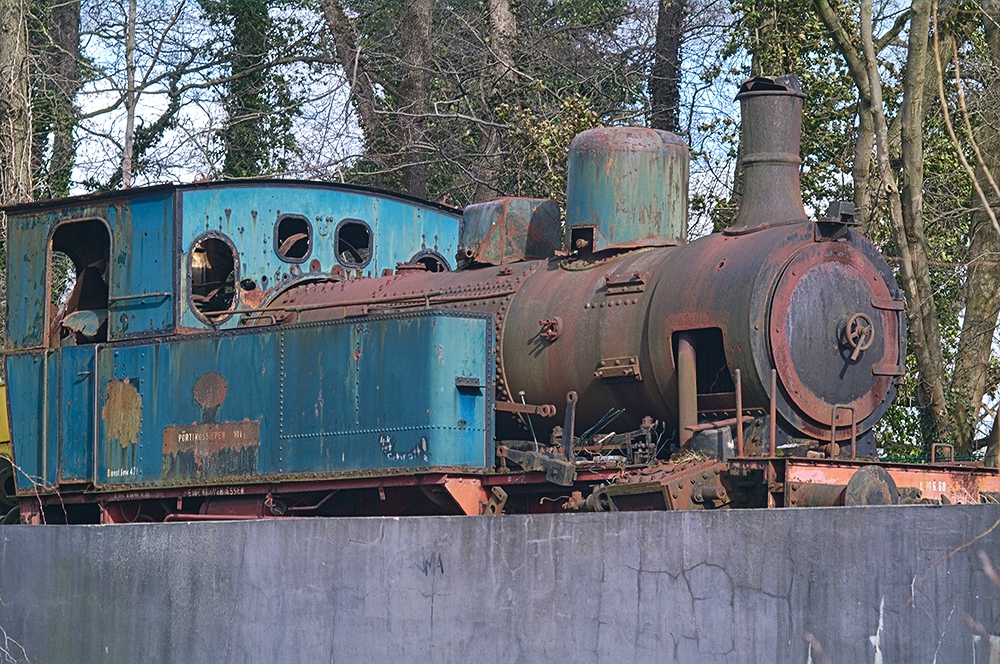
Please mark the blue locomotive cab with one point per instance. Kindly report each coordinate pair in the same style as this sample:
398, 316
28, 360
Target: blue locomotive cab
130, 363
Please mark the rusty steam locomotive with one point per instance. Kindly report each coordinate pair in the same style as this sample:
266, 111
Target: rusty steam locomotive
271, 348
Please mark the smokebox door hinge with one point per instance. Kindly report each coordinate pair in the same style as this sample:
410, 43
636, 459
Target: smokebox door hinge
618, 368
888, 369
887, 304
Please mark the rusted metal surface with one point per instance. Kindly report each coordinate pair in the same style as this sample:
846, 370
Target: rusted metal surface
82, 229
620, 368
569, 426
687, 388
298, 402
871, 485
811, 494
142, 299
543, 410
868, 485
626, 186
695, 483
496, 502
833, 428
930, 483
246, 216
772, 422
708, 426
551, 328
799, 324
211, 450
848, 280
622, 284
507, 230
859, 334
602, 351
122, 413
209, 392
581, 319
771, 112
556, 467
489, 290
334, 338
468, 494
739, 413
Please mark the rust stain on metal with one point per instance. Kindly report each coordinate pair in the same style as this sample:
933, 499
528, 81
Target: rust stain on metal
205, 440
693, 483
254, 298
209, 392
949, 484
551, 327
509, 229
215, 449
122, 412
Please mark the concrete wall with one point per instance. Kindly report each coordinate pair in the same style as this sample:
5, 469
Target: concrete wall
648, 587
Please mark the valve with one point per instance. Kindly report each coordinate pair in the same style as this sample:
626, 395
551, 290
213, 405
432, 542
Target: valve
859, 334
551, 327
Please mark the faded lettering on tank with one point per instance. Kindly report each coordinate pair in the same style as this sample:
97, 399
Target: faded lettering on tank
211, 449
419, 452
215, 449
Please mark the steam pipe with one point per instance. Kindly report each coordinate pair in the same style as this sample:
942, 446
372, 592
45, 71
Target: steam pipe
569, 424
687, 388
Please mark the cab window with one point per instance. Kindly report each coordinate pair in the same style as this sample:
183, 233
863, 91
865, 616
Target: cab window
78, 283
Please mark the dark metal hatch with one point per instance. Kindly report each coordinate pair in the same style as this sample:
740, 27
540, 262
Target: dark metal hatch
833, 334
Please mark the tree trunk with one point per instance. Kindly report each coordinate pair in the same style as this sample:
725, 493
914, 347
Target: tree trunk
345, 41
414, 94
864, 145
665, 77
992, 457
15, 104
982, 306
503, 31
502, 26
65, 64
982, 300
913, 259
57, 82
131, 95
915, 87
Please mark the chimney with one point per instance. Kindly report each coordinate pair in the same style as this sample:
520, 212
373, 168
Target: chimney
772, 125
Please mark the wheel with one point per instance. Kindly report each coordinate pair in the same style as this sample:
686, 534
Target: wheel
871, 485
8, 499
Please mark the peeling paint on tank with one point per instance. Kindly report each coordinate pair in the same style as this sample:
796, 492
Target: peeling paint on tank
122, 412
